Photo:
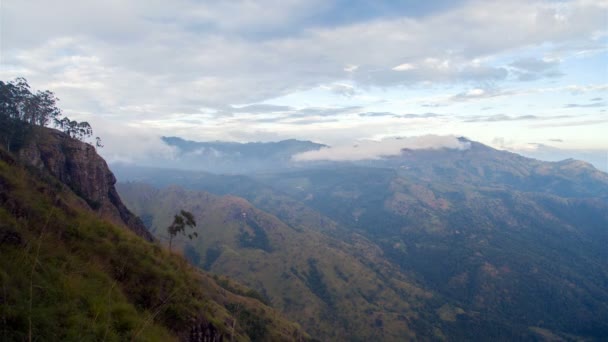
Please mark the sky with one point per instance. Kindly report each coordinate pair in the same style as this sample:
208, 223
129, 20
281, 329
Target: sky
525, 76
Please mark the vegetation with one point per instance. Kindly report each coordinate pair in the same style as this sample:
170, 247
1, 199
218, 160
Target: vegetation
20, 108
294, 269
65, 274
180, 222
499, 246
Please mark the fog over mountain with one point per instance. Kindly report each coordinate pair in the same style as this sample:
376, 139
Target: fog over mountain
368, 149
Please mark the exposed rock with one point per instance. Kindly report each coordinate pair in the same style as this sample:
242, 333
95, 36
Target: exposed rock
78, 165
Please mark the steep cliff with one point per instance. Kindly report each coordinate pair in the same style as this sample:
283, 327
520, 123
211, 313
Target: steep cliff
78, 165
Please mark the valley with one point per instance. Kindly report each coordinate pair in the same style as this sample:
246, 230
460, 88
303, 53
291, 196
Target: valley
486, 238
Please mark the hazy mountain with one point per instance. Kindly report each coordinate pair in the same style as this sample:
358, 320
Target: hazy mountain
509, 247
231, 157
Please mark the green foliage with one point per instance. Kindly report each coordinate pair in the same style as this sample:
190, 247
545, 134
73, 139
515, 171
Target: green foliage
258, 239
180, 222
67, 275
211, 255
18, 102
314, 281
19, 105
255, 326
246, 292
76, 130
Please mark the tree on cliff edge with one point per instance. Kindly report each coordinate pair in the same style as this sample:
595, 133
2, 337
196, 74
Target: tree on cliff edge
19, 106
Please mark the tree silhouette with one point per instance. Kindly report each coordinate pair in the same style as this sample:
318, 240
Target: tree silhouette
180, 222
20, 108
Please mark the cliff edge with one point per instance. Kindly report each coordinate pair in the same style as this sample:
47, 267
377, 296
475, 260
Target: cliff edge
78, 165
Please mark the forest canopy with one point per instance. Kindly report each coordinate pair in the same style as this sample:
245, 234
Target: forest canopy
19, 104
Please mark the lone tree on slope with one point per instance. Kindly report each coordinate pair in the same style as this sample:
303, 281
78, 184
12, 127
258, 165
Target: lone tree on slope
180, 222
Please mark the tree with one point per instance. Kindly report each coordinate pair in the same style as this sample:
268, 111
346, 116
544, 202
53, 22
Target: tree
20, 107
18, 102
180, 222
75, 129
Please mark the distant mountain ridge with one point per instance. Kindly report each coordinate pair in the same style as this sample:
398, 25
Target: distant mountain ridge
233, 157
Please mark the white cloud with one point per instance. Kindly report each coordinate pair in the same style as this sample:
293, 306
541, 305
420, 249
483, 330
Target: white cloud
351, 68
128, 144
158, 63
368, 149
404, 67
203, 51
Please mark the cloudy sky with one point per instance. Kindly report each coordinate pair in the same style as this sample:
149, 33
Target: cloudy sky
528, 76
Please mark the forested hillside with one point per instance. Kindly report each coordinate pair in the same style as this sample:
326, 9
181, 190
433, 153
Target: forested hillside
508, 247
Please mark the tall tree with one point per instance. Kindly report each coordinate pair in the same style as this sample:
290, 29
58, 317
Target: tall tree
19, 106
180, 222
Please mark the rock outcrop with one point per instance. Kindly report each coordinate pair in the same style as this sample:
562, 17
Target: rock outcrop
78, 165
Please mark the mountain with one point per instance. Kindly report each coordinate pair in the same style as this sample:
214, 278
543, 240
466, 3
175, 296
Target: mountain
230, 157
76, 266
508, 247
337, 289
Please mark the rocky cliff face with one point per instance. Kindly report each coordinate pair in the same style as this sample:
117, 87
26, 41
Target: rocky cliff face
78, 165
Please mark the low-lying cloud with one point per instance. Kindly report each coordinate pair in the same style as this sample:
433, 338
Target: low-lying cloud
369, 149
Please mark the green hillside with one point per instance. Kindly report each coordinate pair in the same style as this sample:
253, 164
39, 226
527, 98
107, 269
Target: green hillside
66, 274
337, 290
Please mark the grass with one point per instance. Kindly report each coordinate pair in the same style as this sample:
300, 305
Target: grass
67, 275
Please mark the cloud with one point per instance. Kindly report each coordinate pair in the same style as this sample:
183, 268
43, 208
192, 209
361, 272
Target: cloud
504, 117
402, 116
214, 54
378, 114
404, 67
420, 116
260, 108
597, 157
571, 123
530, 69
500, 117
325, 111
480, 93
207, 69
585, 105
364, 150
343, 89
127, 144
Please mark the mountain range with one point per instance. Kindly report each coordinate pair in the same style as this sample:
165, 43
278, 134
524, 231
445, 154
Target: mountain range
232, 157
432, 244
